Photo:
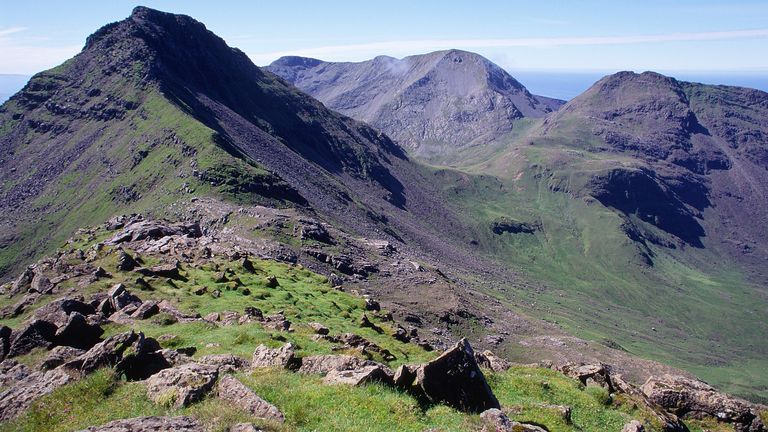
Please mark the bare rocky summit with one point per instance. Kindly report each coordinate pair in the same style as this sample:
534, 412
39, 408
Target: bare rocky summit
433, 104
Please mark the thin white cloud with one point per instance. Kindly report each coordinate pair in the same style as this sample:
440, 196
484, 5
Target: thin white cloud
413, 46
10, 30
24, 56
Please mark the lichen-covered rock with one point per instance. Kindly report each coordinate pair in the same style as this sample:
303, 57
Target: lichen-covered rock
106, 353
182, 385
283, 357
456, 380
150, 424
227, 363
633, 426
77, 332
23, 393
688, 397
236, 393
358, 377
489, 360
495, 420
60, 355
322, 364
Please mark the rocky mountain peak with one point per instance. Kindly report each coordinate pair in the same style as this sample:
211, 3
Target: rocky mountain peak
434, 104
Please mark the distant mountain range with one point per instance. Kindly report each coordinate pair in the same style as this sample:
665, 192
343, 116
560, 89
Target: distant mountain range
632, 216
432, 104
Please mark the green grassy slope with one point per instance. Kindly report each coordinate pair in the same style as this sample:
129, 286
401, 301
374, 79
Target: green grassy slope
307, 403
657, 302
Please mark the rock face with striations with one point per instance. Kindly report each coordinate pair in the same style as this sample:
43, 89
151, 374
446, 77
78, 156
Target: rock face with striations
433, 104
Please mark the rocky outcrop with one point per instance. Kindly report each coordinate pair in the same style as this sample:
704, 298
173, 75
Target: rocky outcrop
60, 355
688, 397
322, 364
590, 374
36, 334
227, 363
20, 396
489, 360
106, 353
182, 385
283, 357
236, 393
455, 379
150, 424
358, 377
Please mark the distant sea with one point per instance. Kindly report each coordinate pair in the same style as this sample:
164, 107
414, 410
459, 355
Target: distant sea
567, 85
560, 85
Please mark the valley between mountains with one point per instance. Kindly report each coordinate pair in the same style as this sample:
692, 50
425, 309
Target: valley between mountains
191, 242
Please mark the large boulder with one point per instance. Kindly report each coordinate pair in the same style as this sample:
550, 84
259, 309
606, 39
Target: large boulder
106, 353
227, 363
283, 357
182, 385
60, 355
78, 333
150, 424
358, 377
146, 359
322, 364
236, 393
596, 374
455, 379
57, 312
37, 334
688, 397
22, 394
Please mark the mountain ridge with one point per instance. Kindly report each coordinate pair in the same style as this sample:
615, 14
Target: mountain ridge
433, 104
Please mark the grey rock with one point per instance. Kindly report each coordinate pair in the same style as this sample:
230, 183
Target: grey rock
60, 355
182, 385
455, 379
236, 393
150, 424
12, 371
22, 394
227, 363
489, 360
37, 334
358, 377
322, 364
78, 332
283, 357
633, 426
147, 309
106, 353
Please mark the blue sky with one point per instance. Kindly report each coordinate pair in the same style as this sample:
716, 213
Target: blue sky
667, 36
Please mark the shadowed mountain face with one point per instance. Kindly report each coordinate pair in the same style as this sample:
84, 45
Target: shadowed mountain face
703, 149
433, 104
156, 107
